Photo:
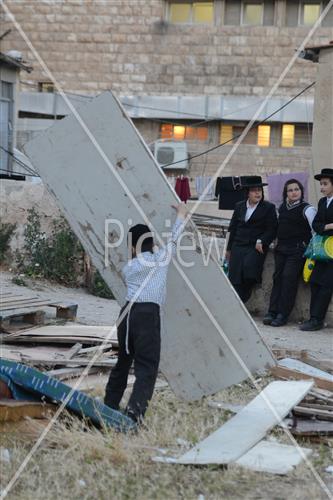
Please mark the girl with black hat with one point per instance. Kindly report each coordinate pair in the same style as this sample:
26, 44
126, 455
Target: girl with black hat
293, 235
321, 280
252, 230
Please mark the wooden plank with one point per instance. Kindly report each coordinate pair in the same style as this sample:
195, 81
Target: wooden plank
72, 331
310, 427
317, 406
321, 364
249, 426
286, 373
290, 353
209, 340
13, 411
17, 300
312, 412
295, 364
20, 309
274, 458
73, 350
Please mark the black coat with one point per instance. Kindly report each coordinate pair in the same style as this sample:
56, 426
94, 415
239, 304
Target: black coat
323, 271
246, 263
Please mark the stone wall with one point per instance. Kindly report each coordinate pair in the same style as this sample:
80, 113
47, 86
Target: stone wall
17, 197
127, 46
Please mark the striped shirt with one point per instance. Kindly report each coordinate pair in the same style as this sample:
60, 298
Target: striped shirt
151, 269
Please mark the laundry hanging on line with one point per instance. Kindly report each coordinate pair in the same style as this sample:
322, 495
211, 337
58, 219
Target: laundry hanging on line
201, 183
229, 191
182, 188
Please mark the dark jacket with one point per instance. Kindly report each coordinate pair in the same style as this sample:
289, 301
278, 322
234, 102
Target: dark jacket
261, 225
246, 263
323, 271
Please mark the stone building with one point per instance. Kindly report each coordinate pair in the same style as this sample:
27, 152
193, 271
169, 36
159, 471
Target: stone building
186, 70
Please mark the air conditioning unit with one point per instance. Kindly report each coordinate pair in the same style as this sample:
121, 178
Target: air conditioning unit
171, 152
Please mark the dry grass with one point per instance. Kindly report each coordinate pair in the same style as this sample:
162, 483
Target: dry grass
77, 462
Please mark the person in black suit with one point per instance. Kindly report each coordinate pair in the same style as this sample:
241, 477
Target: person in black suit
293, 235
252, 229
321, 280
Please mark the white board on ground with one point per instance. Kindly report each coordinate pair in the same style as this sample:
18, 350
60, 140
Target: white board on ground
299, 366
249, 426
275, 458
266, 456
116, 177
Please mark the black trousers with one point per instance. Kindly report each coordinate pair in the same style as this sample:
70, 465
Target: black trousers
289, 263
144, 345
320, 301
244, 290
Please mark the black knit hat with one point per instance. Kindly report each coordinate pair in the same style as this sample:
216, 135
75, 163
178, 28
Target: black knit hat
325, 172
138, 231
253, 181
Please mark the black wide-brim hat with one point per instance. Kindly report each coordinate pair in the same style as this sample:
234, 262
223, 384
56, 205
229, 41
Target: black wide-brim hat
325, 172
253, 181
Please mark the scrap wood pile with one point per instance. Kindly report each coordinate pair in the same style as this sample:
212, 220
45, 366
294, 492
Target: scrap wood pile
64, 352
312, 418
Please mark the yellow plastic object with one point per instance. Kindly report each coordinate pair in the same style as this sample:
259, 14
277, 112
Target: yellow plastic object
328, 246
308, 268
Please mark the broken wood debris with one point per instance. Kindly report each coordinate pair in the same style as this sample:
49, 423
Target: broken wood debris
28, 309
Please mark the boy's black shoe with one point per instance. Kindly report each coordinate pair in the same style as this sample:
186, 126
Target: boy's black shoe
312, 325
268, 318
280, 320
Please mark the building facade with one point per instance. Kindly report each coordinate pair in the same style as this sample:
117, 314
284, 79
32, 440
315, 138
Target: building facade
190, 71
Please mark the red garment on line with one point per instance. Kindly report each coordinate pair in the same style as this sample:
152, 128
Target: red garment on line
182, 188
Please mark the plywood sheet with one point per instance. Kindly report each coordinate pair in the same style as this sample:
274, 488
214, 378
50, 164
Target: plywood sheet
249, 426
274, 458
99, 168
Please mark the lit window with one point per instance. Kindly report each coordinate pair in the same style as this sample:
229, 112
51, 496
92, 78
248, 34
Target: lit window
253, 13
179, 132
264, 135
226, 134
166, 131
311, 13
288, 135
203, 12
191, 12
201, 133
180, 13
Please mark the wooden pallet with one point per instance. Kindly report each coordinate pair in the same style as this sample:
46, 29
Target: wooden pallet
27, 309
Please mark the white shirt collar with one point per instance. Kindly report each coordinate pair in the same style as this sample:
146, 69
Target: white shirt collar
328, 200
251, 207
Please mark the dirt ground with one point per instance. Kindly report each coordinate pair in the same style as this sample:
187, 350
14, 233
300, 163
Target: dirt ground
80, 463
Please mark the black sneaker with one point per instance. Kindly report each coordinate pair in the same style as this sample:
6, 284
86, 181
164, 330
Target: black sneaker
268, 318
280, 320
312, 325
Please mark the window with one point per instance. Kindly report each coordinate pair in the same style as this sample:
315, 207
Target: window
310, 13
191, 12
45, 87
249, 12
226, 134
253, 14
183, 132
307, 12
287, 136
264, 135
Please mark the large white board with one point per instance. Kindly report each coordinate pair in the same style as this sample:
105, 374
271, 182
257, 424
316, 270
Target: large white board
93, 164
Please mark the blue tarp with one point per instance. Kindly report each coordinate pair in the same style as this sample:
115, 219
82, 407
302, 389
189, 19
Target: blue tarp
26, 383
